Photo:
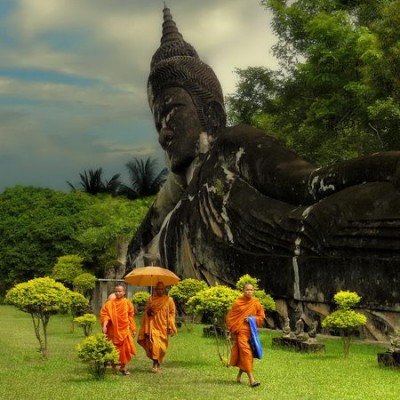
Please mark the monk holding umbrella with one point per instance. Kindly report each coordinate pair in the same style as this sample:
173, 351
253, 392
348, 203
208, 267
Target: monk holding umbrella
158, 321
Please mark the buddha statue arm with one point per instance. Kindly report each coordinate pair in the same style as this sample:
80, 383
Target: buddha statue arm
279, 173
379, 167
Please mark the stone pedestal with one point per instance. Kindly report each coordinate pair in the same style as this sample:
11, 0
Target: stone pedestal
389, 359
307, 346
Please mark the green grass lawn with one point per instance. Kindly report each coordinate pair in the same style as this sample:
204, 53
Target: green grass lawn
191, 369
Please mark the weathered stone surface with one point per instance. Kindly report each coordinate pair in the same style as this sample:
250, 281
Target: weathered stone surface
389, 359
238, 202
310, 346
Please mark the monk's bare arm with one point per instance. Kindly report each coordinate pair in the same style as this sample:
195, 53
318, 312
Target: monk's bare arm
260, 316
132, 323
171, 317
105, 323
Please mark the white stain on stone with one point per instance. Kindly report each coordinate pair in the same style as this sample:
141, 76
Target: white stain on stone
228, 231
230, 176
318, 185
297, 247
204, 143
296, 283
239, 155
306, 212
164, 227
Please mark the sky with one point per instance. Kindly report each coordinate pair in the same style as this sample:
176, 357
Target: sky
73, 77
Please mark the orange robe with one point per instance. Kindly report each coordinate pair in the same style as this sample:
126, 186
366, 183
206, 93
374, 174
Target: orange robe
120, 313
153, 334
242, 355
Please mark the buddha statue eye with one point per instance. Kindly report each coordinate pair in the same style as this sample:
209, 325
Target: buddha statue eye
167, 117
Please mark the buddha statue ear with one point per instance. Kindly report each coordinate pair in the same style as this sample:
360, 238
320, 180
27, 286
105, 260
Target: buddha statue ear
215, 117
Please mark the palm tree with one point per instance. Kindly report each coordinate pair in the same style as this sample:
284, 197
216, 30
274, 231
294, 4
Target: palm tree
144, 181
92, 182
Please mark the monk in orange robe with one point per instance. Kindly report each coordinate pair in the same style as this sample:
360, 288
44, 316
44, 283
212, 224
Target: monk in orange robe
157, 325
118, 324
236, 321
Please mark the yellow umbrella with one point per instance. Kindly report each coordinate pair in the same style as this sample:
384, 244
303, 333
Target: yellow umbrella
150, 276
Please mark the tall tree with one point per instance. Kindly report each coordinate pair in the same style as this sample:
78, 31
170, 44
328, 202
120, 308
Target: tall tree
337, 94
144, 178
111, 223
92, 182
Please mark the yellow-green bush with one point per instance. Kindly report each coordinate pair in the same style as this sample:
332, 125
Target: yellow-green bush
84, 283
98, 351
185, 289
86, 322
266, 300
214, 302
245, 279
140, 298
346, 299
345, 320
42, 298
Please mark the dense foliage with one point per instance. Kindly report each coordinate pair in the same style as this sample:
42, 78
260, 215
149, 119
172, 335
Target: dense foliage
37, 226
79, 306
184, 290
213, 302
246, 279
139, 300
110, 224
337, 93
265, 299
67, 268
182, 293
84, 284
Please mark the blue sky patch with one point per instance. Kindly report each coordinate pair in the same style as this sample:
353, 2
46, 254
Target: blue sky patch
72, 40
6, 6
43, 75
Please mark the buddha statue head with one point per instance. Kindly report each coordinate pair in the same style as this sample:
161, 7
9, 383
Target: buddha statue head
185, 97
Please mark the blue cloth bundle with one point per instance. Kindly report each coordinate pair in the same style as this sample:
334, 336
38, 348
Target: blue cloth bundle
255, 343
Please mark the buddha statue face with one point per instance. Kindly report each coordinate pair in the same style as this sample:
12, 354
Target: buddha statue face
178, 126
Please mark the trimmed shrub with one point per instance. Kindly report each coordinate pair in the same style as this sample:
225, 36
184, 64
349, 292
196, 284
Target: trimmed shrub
67, 268
84, 284
98, 351
266, 300
139, 299
86, 322
213, 303
345, 320
42, 298
181, 293
244, 279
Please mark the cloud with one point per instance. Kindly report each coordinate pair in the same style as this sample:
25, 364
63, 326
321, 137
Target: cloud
73, 77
